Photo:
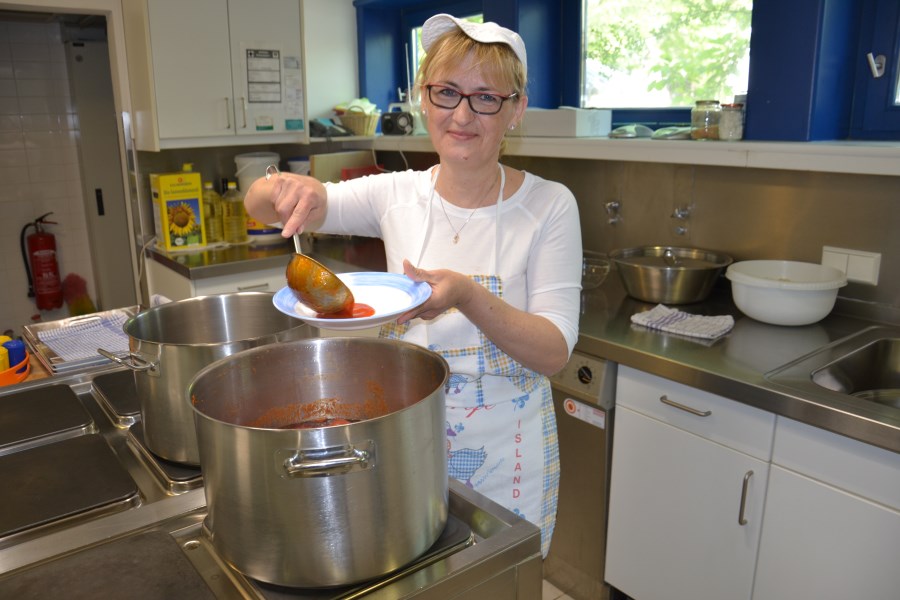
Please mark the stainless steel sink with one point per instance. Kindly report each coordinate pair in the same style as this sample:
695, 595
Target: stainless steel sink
858, 375
871, 372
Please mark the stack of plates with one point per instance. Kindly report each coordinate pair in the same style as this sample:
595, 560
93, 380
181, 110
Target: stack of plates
71, 344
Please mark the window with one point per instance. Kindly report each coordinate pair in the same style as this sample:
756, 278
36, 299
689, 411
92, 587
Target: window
806, 77
876, 107
664, 53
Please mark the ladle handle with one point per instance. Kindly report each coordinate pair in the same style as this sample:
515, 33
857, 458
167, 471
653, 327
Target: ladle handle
272, 170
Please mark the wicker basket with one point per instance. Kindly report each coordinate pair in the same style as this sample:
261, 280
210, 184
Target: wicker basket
359, 122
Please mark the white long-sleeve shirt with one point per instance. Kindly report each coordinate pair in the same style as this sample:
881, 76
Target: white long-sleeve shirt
539, 252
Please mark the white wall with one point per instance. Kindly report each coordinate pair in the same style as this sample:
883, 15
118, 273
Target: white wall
39, 169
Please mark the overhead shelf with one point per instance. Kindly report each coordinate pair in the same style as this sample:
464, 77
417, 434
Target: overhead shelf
858, 157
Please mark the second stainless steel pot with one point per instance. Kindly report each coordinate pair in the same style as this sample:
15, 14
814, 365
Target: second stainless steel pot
324, 461
669, 275
170, 343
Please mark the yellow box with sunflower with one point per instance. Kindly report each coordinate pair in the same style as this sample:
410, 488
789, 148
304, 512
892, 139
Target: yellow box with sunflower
178, 210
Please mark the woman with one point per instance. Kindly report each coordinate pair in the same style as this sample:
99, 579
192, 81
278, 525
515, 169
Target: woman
501, 249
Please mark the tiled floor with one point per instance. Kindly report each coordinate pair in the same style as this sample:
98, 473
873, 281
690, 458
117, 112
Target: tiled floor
551, 592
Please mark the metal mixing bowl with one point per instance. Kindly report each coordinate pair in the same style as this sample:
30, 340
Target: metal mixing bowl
669, 275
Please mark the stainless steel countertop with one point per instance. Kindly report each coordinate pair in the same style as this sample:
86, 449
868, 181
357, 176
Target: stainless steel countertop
224, 260
338, 253
735, 365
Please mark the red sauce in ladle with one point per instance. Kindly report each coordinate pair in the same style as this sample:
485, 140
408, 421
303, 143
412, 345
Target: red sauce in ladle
357, 311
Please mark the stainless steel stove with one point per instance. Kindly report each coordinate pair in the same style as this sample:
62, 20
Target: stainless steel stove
89, 512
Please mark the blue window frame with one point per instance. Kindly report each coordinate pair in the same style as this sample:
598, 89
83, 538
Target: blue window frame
805, 65
876, 114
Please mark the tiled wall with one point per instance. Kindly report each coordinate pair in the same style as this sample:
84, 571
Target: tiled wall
39, 165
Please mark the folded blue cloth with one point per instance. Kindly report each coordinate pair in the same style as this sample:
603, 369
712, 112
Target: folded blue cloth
672, 320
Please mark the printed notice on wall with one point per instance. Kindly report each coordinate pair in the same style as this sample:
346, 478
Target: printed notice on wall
263, 76
293, 94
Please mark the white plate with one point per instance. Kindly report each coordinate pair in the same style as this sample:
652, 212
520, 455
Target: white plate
390, 294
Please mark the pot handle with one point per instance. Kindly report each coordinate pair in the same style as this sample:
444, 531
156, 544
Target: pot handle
137, 363
330, 461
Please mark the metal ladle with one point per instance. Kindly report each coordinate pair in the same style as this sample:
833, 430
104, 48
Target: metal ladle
314, 285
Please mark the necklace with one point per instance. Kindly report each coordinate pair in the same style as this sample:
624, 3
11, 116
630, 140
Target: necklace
456, 231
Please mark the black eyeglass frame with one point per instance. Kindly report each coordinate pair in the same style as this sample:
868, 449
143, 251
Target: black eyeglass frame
468, 97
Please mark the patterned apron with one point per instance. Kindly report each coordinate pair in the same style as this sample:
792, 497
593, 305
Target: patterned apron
501, 428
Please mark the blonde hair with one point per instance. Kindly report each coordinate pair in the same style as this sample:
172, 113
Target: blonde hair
499, 63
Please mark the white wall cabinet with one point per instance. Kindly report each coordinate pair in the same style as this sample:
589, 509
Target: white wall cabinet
689, 479
832, 524
216, 72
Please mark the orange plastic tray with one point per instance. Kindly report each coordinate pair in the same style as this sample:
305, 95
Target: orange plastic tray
9, 376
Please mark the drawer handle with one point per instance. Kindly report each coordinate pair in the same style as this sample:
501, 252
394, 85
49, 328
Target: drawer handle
742, 517
693, 411
250, 288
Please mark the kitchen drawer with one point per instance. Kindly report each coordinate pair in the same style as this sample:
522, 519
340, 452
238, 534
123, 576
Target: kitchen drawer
848, 464
269, 280
736, 425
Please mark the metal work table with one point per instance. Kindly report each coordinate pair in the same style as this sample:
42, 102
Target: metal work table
735, 365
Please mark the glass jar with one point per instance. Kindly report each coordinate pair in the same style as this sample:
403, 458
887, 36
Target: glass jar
705, 120
731, 123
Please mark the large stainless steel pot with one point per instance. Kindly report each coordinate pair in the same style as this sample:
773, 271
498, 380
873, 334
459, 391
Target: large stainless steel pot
669, 275
170, 343
326, 505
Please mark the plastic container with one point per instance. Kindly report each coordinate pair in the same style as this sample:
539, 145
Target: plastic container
783, 292
705, 120
299, 165
16, 373
15, 351
252, 166
234, 222
262, 234
213, 214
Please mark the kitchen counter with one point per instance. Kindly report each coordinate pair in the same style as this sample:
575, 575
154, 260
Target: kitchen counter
339, 253
735, 365
223, 260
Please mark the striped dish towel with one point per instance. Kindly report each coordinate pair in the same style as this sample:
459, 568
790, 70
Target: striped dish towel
80, 339
671, 320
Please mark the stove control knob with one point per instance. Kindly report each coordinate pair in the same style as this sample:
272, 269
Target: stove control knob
584, 375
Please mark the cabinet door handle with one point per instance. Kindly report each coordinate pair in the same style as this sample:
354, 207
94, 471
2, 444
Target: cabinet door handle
227, 112
244, 110
742, 516
250, 288
700, 413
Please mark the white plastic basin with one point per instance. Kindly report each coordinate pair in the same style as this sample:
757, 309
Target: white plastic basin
783, 292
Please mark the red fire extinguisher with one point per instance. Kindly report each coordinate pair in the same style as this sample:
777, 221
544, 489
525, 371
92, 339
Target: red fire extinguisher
39, 255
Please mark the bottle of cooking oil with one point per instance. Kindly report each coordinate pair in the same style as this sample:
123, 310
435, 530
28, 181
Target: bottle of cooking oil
235, 220
213, 214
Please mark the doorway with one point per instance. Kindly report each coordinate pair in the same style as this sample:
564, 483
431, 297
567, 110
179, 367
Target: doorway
103, 190
69, 157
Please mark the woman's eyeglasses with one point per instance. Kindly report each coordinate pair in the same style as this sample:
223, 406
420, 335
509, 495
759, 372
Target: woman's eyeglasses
480, 102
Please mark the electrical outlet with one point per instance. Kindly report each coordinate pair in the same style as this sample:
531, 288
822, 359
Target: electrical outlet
859, 266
